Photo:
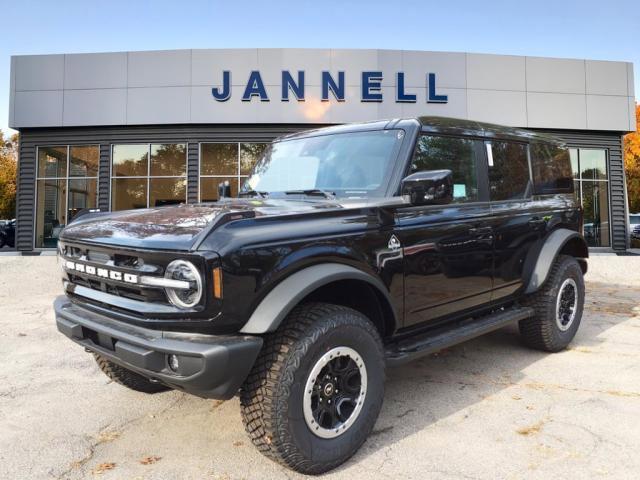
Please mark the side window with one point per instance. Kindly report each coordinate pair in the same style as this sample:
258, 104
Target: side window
508, 171
455, 154
551, 167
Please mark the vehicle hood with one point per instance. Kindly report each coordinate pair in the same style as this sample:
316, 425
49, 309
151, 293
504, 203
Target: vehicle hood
179, 227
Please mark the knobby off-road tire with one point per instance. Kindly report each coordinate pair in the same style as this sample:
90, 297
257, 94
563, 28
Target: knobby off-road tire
550, 329
272, 398
128, 378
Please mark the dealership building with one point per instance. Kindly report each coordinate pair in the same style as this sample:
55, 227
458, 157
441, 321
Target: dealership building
137, 129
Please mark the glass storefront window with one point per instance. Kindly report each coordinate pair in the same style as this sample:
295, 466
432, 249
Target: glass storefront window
232, 162
595, 201
209, 187
52, 162
51, 215
82, 194
593, 164
168, 159
250, 153
592, 189
167, 191
128, 193
67, 183
148, 175
130, 160
84, 161
219, 159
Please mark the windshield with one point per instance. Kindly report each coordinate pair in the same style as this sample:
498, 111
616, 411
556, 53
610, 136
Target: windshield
355, 164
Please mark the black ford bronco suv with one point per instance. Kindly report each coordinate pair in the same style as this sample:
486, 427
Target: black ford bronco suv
351, 248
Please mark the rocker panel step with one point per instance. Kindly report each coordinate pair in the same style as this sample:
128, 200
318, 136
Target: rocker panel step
412, 348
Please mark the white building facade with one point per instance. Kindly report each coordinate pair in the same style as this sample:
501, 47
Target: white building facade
136, 129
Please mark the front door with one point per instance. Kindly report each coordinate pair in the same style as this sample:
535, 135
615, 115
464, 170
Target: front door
448, 249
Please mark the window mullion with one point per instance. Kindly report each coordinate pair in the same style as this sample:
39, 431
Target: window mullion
238, 171
66, 212
148, 173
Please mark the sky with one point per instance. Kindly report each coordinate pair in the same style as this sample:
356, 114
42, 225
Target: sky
602, 30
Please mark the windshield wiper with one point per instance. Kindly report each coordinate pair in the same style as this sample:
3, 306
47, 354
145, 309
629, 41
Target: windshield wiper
314, 192
253, 193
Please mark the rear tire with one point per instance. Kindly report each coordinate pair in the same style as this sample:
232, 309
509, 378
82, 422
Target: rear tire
321, 352
558, 306
126, 377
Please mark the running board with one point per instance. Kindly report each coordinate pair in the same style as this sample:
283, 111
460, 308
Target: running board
425, 344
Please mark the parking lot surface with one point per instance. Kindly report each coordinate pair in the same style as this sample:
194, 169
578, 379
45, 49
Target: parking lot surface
486, 409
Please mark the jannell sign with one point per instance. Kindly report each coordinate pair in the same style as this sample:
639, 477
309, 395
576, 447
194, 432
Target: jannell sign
290, 86
371, 88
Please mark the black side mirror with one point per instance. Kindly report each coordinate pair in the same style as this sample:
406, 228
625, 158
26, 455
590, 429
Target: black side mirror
431, 187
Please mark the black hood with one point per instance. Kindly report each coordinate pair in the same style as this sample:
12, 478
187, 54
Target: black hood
179, 227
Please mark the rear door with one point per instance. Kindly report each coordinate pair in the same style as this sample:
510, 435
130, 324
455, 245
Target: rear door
517, 221
448, 249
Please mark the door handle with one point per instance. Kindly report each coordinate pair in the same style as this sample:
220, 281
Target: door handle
537, 222
480, 231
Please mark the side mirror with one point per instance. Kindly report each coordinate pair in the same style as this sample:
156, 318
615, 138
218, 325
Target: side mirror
431, 187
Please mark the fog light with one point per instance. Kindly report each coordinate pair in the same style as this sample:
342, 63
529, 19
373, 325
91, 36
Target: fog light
174, 364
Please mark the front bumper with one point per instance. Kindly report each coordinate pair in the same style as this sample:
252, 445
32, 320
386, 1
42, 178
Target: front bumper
210, 366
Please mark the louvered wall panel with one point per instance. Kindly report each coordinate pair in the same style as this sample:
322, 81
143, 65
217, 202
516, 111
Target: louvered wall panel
25, 195
104, 172
193, 156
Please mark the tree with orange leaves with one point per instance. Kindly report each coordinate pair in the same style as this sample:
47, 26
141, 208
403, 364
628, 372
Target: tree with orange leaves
8, 165
632, 165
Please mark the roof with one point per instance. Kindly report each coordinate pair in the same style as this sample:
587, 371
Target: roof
441, 125
492, 130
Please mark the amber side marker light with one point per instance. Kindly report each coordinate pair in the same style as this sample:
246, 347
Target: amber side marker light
217, 282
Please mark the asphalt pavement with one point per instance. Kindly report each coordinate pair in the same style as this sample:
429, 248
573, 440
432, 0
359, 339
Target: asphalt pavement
489, 408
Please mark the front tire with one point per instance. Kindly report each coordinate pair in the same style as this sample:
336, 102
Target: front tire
558, 306
127, 378
316, 389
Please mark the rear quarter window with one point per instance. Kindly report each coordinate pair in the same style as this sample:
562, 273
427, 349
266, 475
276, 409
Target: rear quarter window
551, 166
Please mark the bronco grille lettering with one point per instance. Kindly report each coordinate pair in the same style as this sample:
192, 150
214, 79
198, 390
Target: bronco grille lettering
101, 272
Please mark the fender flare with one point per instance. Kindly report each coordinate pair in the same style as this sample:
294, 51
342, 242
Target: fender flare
548, 253
273, 308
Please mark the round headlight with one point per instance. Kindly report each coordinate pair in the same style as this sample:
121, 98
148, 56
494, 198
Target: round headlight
186, 272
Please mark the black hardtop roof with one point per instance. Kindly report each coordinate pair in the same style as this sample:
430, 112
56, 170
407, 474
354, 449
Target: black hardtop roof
433, 124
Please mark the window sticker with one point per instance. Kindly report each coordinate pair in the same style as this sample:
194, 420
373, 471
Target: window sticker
489, 154
459, 190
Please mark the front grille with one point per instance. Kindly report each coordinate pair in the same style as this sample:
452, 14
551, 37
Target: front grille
95, 261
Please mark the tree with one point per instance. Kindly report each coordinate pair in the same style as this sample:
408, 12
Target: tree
8, 176
632, 165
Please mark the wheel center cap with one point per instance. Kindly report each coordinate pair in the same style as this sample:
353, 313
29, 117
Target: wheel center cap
328, 389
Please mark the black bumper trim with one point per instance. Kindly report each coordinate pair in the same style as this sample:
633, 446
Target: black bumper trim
216, 366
